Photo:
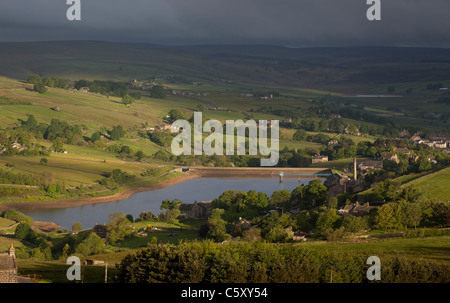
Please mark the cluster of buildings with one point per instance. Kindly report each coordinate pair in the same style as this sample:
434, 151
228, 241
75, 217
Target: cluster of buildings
162, 127
263, 97
141, 84
176, 92
319, 159
441, 142
15, 145
356, 209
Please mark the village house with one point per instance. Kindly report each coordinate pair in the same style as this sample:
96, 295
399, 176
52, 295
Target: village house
174, 129
404, 151
242, 224
413, 159
440, 144
164, 127
18, 146
84, 89
337, 184
365, 166
391, 157
319, 159
333, 143
356, 209
94, 262
100, 230
196, 210
299, 236
148, 128
403, 133
287, 120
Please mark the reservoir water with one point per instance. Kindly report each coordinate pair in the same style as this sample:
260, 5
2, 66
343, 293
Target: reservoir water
200, 189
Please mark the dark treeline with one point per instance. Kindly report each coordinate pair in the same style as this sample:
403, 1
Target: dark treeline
7, 177
197, 262
118, 89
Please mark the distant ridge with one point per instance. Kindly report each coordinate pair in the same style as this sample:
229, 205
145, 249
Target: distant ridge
318, 67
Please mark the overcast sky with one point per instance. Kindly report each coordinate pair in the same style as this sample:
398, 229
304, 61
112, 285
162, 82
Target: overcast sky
283, 22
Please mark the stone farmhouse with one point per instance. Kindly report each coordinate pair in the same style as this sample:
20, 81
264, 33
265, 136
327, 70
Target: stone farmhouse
356, 209
196, 210
319, 159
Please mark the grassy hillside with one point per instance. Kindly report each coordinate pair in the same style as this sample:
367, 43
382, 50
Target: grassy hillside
435, 185
304, 75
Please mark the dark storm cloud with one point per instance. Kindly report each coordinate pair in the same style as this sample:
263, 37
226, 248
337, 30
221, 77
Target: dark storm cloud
289, 22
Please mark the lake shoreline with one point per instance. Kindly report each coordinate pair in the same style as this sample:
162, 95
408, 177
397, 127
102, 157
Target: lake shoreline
193, 173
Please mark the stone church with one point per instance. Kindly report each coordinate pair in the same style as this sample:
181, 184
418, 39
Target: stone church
8, 267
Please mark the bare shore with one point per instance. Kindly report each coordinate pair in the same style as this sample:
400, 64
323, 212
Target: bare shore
195, 172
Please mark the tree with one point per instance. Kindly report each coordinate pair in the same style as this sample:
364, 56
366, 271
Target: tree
17, 216
354, 224
40, 88
251, 234
387, 190
31, 123
127, 100
93, 244
315, 193
414, 214
119, 228
423, 164
332, 202
34, 79
251, 198
326, 220
158, 92
125, 150
385, 217
263, 200
279, 234
76, 227
175, 115
95, 137
43, 161
217, 230
280, 197
172, 208
411, 213
300, 135
58, 145
117, 132
140, 155
23, 231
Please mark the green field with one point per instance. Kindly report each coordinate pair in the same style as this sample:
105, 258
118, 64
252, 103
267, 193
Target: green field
435, 185
434, 248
